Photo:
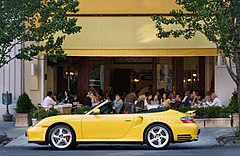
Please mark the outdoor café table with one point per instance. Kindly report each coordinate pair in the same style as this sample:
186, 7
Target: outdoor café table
64, 108
153, 106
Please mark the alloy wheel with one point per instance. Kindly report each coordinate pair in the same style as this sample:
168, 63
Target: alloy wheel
158, 136
61, 137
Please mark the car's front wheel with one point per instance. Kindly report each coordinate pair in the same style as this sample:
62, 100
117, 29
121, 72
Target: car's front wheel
61, 137
158, 136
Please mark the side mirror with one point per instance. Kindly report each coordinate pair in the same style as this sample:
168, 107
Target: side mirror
96, 111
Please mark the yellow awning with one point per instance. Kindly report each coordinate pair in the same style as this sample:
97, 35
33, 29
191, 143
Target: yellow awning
141, 52
130, 36
121, 7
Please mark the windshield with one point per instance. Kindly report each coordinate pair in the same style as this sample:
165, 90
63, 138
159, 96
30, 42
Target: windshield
107, 107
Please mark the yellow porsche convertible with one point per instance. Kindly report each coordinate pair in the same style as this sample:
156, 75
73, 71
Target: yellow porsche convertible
156, 128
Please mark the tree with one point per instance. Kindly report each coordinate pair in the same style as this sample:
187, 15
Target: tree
33, 25
218, 20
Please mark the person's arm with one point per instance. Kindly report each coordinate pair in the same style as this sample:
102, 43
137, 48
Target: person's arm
193, 101
212, 103
52, 102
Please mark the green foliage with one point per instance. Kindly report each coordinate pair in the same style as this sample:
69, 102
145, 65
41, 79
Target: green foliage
213, 18
208, 112
34, 112
41, 113
41, 25
52, 112
24, 104
233, 105
237, 132
82, 110
217, 20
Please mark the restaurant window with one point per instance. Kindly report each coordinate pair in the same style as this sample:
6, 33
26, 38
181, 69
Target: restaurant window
164, 74
70, 78
191, 73
96, 74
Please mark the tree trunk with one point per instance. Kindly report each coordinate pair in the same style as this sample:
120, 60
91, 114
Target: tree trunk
238, 94
238, 79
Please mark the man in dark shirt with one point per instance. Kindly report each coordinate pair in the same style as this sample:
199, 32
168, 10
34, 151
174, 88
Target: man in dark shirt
190, 99
177, 102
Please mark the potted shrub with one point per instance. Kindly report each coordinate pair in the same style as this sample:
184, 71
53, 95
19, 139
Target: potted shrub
210, 116
233, 108
24, 105
41, 113
200, 117
34, 114
217, 117
82, 110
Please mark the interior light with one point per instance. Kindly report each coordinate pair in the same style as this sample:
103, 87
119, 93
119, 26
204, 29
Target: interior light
135, 80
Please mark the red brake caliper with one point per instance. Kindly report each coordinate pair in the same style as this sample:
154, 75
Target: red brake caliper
67, 137
151, 136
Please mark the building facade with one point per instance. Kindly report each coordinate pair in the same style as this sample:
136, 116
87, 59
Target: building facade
118, 51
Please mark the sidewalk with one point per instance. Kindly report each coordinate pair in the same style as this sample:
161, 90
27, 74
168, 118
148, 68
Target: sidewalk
10, 129
207, 138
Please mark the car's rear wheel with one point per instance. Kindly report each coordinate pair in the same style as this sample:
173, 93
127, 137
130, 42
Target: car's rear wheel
61, 137
158, 136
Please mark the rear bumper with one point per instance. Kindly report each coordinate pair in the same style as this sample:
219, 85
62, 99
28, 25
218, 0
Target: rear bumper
186, 132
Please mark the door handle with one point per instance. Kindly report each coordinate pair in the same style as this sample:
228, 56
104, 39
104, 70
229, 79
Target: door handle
128, 120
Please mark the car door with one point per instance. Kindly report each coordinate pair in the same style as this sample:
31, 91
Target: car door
106, 126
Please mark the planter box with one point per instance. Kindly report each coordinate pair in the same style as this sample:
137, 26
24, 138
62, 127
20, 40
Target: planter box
200, 122
218, 122
235, 120
22, 120
34, 122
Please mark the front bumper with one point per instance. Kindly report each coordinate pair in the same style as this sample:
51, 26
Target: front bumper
36, 134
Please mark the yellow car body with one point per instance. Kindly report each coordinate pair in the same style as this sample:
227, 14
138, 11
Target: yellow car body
96, 127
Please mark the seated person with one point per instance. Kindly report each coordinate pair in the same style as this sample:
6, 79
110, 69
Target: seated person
216, 101
87, 100
118, 103
48, 102
190, 100
177, 102
67, 98
127, 108
141, 102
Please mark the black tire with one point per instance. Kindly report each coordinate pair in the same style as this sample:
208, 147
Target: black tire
62, 137
158, 136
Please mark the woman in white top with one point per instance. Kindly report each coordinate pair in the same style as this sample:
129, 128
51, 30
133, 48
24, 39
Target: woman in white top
216, 101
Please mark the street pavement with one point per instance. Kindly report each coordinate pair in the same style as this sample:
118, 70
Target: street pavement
10, 129
207, 138
206, 145
123, 150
